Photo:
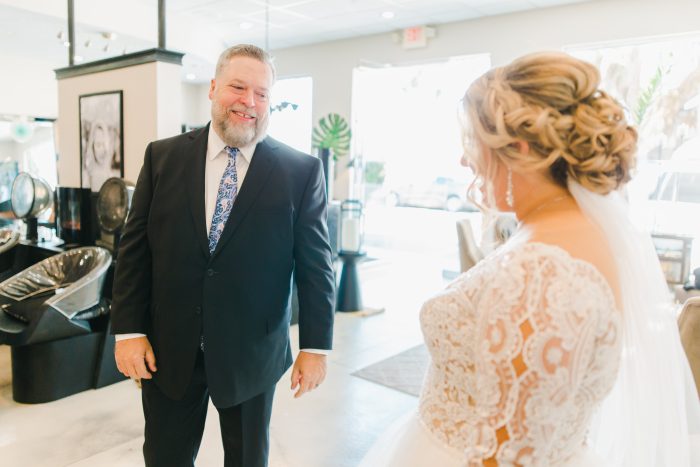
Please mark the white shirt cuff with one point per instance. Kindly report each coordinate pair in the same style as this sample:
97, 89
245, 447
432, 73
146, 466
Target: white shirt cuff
121, 337
316, 351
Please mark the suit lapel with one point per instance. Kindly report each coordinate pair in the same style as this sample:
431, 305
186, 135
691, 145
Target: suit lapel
196, 156
261, 165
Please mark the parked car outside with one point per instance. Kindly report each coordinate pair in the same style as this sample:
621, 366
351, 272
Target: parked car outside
675, 203
440, 193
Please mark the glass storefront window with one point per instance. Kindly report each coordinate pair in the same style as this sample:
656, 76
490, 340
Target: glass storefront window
290, 120
658, 82
406, 150
26, 146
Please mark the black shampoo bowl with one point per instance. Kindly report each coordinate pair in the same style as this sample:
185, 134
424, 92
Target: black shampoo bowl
54, 298
54, 317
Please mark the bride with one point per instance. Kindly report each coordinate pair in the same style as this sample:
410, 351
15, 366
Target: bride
560, 348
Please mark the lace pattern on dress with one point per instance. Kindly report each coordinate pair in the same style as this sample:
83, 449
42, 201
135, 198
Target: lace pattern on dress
524, 346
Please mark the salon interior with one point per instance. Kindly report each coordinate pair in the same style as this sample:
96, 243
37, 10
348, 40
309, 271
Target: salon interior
88, 84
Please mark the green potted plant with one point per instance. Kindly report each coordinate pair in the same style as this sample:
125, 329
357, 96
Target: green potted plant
332, 139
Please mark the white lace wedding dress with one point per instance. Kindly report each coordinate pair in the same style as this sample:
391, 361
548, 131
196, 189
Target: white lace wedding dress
524, 347
527, 346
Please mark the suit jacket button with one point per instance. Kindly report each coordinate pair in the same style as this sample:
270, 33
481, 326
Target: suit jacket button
198, 310
210, 272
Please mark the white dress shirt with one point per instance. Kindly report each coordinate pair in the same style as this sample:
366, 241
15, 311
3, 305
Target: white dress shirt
215, 165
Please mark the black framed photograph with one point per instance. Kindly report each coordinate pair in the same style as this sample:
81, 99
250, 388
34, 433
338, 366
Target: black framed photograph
101, 138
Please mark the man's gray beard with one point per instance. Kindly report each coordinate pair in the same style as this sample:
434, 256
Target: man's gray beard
238, 137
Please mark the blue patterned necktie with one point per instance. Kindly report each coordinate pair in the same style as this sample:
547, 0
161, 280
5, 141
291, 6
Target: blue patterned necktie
228, 189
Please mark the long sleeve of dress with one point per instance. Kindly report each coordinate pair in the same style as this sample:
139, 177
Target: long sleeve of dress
523, 349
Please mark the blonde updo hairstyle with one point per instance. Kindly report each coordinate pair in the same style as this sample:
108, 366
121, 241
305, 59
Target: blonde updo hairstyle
552, 102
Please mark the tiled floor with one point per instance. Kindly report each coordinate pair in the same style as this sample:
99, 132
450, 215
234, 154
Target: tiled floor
331, 427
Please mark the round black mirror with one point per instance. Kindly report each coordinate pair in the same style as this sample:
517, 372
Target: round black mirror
30, 196
113, 203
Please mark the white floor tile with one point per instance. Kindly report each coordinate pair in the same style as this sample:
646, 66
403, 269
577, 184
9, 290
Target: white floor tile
330, 427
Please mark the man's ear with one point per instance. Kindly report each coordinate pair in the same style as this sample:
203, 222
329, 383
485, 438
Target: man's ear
212, 85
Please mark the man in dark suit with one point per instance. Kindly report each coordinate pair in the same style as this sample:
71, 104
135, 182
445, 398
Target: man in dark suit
220, 219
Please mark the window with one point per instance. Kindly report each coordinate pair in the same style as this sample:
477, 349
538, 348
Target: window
406, 147
665, 189
689, 188
658, 82
26, 146
290, 117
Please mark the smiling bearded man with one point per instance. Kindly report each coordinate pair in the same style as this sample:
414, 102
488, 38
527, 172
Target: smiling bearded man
239, 120
220, 218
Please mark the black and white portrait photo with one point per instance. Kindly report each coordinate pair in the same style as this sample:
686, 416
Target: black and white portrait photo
101, 148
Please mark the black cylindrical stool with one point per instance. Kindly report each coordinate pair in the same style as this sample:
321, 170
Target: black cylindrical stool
349, 293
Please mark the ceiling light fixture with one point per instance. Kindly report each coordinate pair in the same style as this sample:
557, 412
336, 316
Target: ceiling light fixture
109, 35
388, 15
246, 25
66, 44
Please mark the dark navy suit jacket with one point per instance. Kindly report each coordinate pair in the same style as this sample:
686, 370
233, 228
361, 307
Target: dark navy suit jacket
169, 287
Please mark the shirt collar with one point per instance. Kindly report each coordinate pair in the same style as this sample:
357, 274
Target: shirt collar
215, 146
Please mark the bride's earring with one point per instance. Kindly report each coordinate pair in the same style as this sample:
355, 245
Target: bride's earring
509, 189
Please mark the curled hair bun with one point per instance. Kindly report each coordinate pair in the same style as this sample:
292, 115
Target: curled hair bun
552, 101
602, 146
554, 80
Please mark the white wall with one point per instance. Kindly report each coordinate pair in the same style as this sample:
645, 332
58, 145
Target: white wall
196, 107
168, 103
151, 106
27, 87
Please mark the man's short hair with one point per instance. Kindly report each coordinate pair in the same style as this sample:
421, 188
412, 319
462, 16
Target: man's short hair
245, 50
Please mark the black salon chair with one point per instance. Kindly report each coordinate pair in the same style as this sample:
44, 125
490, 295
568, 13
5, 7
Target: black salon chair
9, 239
54, 317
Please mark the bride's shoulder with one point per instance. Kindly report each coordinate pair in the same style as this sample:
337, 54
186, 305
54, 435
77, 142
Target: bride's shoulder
521, 260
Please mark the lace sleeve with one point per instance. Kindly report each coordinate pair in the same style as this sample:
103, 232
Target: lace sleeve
546, 354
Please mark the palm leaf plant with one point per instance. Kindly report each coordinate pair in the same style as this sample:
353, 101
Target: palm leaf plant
333, 133
647, 96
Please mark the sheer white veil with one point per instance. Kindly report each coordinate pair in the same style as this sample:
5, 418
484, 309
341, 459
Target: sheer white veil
652, 414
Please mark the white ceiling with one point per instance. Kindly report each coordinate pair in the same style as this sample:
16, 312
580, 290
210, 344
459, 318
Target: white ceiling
202, 28
299, 22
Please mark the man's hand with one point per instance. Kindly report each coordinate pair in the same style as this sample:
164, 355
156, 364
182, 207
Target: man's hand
132, 355
308, 373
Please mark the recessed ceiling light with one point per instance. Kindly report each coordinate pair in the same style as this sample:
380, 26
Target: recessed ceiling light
190, 76
246, 25
78, 58
109, 35
388, 15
